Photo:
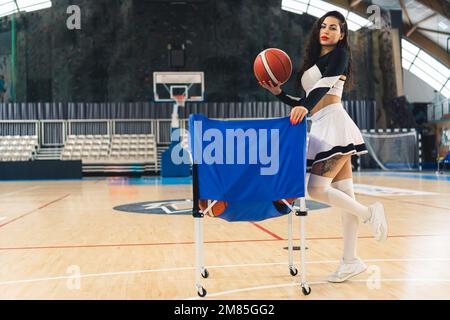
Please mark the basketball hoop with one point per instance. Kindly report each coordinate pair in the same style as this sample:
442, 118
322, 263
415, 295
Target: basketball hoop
168, 85
177, 88
180, 99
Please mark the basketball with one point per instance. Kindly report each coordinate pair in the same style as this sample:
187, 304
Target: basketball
289, 200
274, 65
216, 210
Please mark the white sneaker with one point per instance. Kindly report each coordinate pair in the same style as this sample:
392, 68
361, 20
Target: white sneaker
347, 270
377, 221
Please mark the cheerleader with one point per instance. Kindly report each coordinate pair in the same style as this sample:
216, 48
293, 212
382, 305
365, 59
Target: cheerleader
333, 137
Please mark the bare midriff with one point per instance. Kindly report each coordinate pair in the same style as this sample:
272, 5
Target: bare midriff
327, 100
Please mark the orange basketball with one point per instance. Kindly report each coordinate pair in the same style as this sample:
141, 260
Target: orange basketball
273, 64
216, 210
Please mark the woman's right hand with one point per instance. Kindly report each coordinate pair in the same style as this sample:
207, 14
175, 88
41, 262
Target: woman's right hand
298, 113
274, 89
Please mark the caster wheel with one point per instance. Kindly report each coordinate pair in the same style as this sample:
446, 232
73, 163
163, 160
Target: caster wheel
202, 292
305, 291
293, 272
205, 274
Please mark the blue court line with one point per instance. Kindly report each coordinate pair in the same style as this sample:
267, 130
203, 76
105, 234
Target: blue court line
121, 180
41, 180
152, 181
417, 176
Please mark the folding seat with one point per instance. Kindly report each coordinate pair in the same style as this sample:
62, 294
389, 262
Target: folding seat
76, 155
133, 146
16, 156
6, 156
124, 154
25, 156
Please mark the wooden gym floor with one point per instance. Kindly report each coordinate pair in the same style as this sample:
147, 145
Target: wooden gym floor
52, 231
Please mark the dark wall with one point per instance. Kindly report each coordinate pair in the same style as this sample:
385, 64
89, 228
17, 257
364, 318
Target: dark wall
122, 42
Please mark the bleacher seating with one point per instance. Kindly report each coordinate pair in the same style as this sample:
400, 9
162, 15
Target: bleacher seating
86, 148
118, 153
18, 148
134, 147
126, 148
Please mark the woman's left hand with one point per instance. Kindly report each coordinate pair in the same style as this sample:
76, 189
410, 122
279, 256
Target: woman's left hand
297, 114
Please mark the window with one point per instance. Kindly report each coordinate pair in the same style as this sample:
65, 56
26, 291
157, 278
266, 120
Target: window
426, 67
318, 8
8, 7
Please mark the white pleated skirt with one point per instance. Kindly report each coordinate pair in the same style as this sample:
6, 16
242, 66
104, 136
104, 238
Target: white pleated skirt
332, 133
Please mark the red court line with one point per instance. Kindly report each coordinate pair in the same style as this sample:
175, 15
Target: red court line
34, 210
206, 242
267, 231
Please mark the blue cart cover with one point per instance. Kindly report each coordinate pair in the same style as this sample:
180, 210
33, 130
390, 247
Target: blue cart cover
249, 164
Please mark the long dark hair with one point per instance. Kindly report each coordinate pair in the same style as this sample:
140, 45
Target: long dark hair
313, 48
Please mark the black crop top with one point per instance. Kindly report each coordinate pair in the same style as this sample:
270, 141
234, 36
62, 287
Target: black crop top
322, 78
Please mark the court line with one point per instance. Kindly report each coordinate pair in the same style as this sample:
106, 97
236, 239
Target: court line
267, 231
277, 286
409, 202
34, 210
205, 242
190, 268
18, 191
40, 180
406, 175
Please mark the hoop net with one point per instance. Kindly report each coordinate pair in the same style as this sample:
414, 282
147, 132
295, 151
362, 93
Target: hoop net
180, 99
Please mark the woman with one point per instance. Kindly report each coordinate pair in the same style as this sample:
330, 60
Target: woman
333, 137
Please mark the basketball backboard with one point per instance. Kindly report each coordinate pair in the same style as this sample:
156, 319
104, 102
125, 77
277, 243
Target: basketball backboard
168, 85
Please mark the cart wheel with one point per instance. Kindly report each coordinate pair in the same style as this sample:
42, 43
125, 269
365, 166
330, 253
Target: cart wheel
202, 292
305, 291
293, 271
205, 274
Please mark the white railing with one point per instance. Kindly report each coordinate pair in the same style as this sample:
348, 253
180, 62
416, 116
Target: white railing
54, 132
437, 110
19, 128
91, 126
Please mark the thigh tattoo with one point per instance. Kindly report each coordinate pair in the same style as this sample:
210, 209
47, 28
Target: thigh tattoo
328, 165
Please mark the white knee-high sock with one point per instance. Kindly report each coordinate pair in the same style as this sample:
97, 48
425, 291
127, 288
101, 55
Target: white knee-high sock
350, 222
319, 188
